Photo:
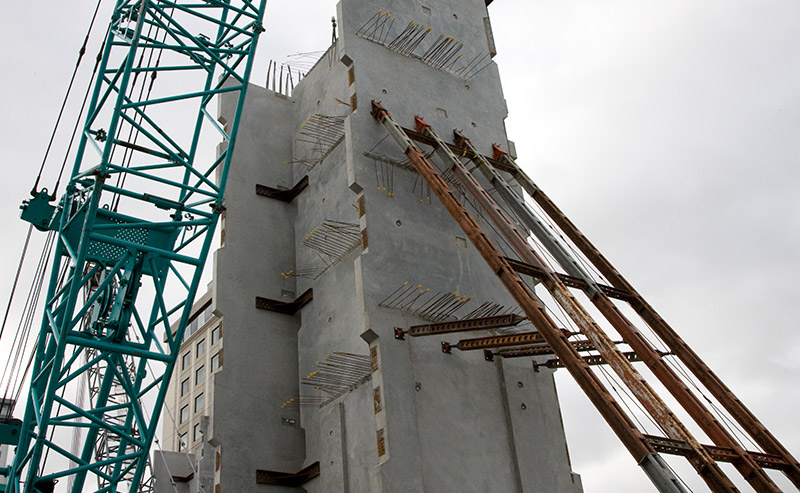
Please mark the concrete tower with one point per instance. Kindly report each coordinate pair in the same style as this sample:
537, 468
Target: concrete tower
341, 245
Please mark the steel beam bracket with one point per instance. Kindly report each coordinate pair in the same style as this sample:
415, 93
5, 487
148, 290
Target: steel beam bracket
447, 348
461, 140
289, 479
497, 152
420, 125
399, 334
379, 112
285, 307
283, 195
488, 355
10, 431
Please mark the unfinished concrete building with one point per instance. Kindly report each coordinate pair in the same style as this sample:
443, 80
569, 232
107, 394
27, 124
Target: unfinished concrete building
331, 241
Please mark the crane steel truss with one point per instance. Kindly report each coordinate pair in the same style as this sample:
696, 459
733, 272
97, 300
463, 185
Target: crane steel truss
139, 214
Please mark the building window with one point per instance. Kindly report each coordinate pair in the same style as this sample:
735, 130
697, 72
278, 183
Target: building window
186, 359
197, 433
181, 442
216, 333
216, 361
200, 375
200, 318
184, 387
184, 413
199, 402
201, 347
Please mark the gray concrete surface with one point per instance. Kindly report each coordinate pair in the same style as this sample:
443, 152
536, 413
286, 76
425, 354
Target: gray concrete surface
446, 422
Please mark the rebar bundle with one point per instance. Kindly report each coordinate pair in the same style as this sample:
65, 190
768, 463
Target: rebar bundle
340, 373
418, 301
443, 54
378, 27
305, 401
323, 133
333, 240
312, 273
487, 309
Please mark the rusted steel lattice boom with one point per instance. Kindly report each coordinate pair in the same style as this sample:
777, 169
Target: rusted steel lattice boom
550, 339
633, 439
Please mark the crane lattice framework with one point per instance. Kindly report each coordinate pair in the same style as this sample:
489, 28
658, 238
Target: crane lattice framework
133, 230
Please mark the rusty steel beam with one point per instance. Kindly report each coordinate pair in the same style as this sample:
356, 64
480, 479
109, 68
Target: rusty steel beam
569, 281
703, 463
721, 454
677, 387
288, 479
622, 425
482, 323
424, 139
283, 195
285, 307
591, 361
499, 341
539, 350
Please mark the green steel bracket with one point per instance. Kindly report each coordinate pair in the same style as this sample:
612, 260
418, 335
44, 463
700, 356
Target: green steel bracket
133, 232
38, 211
9, 433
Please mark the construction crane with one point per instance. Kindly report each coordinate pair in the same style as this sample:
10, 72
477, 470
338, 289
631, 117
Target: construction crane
133, 230
131, 234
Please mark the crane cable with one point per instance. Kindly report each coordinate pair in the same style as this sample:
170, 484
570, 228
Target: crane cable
81, 52
22, 335
16, 280
98, 59
36, 285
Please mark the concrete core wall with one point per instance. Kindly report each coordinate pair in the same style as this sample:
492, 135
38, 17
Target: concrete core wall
421, 420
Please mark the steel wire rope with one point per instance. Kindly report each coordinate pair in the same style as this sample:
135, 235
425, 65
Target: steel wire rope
23, 327
16, 280
28, 366
573, 325
630, 395
625, 399
578, 255
610, 381
736, 430
480, 216
86, 94
20, 379
46, 250
23, 255
133, 134
44, 261
81, 52
734, 427
544, 254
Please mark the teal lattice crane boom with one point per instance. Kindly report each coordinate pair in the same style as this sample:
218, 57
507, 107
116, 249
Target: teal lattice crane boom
134, 229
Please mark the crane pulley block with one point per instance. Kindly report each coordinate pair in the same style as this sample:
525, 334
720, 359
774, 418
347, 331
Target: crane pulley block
9, 431
39, 211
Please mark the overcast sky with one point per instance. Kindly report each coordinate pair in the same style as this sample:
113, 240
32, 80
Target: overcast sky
668, 130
